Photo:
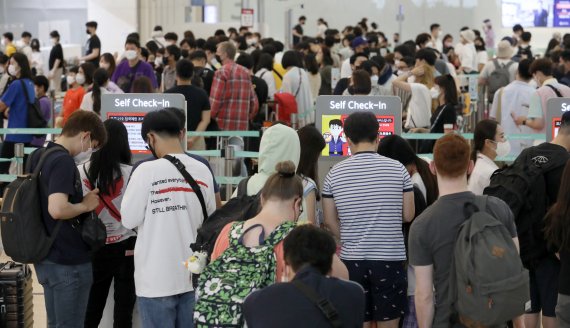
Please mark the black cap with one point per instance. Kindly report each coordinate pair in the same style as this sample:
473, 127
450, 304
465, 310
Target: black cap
91, 24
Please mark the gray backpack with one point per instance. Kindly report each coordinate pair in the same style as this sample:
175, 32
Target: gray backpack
499, 78
488, 284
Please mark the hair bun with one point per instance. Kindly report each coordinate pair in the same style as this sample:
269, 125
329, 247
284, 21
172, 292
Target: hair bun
285, 169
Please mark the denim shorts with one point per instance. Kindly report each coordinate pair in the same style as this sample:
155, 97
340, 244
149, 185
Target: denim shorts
385, 286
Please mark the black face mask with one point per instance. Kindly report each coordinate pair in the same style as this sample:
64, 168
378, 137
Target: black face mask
164, 60
184, 53
152, 150
87, 31
218, 59
366, 51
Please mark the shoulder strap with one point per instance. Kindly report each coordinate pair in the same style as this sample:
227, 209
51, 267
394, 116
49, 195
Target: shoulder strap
242, 187
509, 64
262, 74
326, 307
438, 116
280, 232
190, 180
277, 73
500, 105
496, 62
25, 88
558, 94
300, 79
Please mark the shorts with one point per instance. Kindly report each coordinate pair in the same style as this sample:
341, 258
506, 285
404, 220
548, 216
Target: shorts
385, 286
544, 287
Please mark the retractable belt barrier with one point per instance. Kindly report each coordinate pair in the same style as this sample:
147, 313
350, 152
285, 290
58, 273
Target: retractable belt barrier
223, 153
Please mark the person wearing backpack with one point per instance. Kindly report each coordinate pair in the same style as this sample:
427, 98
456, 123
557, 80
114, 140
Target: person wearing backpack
558, 235
66, 273
542, 71
500, 71
248, 255
167, 200
308, 253
433, 234
530, 187
16, 99
41, 86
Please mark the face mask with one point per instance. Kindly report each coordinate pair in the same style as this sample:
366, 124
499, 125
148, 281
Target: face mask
170, 43
152, 151
503, 148
80, 79
400, 72
70, 79
83, 156
53, 42
130, 54
20, 44
165, 60
396, 62
184, 53
218, 59
104, 65
3, 42
12, 70
434, 93
87, 31
374, 80
250, 42
448, 44
158, 61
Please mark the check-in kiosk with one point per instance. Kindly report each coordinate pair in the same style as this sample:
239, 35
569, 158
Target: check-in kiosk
555, 108
130, 108
332, 111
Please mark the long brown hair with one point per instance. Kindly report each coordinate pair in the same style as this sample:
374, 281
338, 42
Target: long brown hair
557, 220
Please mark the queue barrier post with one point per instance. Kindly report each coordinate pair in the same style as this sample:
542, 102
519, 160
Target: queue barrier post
229, 156
19, 154
294, 121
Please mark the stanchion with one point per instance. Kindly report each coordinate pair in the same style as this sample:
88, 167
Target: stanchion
294, 122
229, 156
19, 154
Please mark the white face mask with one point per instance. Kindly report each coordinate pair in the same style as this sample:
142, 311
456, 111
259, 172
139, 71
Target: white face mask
70, 79
53, 42
80, 79
400, 72
396, 62
130, 54
434, 92
503, 148
3, 42
84, 156
158, 61
104, 65
374, 80
12, 70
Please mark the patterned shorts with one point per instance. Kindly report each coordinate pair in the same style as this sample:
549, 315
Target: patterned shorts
385, 285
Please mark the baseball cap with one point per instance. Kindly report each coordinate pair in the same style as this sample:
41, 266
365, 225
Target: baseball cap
358, 41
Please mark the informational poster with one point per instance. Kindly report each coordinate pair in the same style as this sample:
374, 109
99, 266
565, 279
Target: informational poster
131, 108
332, 112
555, 108
247, 17
332, 127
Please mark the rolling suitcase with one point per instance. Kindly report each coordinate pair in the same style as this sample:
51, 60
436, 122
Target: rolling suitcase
16, 296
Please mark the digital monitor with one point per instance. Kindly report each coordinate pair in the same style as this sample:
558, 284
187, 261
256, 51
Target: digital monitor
333, 133
541, 13
133, 123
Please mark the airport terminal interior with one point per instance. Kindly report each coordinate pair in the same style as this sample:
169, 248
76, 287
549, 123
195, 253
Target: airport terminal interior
285, 163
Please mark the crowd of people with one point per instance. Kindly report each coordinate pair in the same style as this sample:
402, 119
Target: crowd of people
373, 245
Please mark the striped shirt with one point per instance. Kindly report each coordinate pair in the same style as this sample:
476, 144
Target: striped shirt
368, 193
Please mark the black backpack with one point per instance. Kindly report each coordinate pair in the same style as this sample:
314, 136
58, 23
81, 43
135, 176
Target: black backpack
35, 117
24, 234
240, 208
522, 186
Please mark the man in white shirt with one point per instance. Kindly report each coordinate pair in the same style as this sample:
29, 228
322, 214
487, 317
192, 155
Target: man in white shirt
514, 101
167, 212
468, 54
436, 42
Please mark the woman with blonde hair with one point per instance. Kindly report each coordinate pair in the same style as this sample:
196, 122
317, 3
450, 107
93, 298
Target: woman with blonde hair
418, 82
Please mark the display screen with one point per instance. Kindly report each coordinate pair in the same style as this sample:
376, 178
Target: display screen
542, 13
333, 133
133, 123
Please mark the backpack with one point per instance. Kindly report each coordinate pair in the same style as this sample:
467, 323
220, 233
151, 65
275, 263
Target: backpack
24, 235
522, 186
35, 117
488, 284
499, 78
240, 208
238, 272
287, 103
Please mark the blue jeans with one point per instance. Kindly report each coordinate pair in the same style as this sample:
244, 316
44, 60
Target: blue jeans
66, 291
167, 312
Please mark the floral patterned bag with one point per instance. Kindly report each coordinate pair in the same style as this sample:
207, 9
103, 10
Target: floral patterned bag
239, 271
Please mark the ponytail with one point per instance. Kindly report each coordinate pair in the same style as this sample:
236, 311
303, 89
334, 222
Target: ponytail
100, 77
